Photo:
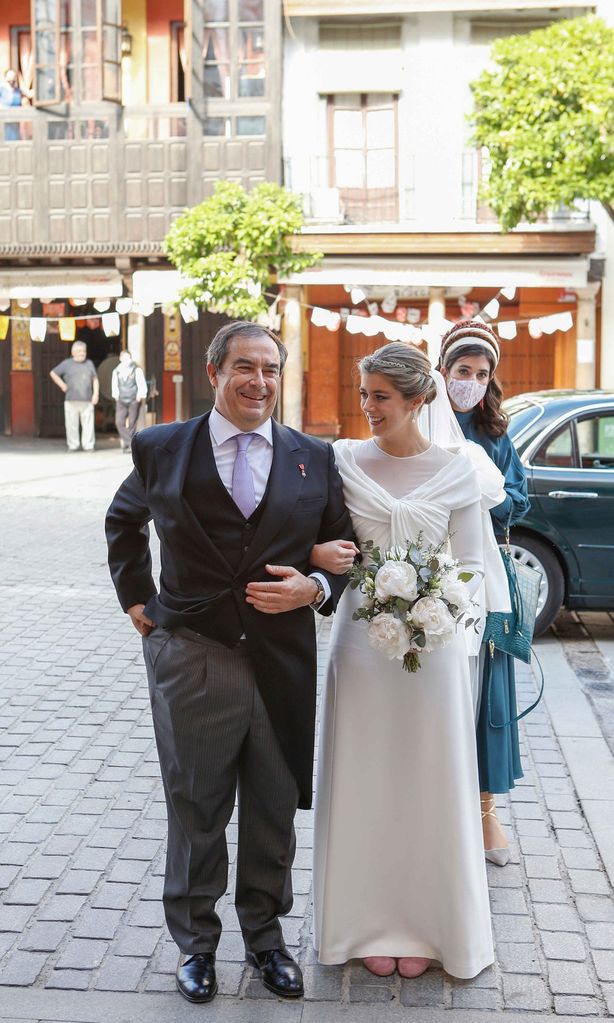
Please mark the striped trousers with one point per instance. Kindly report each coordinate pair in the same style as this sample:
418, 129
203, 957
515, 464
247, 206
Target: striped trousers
215, 741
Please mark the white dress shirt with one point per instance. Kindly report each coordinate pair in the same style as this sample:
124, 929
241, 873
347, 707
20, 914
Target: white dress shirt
259, 452
259, 457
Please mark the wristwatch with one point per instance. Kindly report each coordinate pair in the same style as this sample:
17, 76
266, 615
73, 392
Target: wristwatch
320, 593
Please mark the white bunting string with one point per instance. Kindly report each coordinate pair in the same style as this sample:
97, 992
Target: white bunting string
507, 330
394, 330
370, 323
111, 324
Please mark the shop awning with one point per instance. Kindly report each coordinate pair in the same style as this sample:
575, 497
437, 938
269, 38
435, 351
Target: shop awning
490, 272
163, 286
50, 283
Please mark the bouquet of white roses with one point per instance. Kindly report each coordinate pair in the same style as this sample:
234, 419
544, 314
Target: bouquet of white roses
414, 598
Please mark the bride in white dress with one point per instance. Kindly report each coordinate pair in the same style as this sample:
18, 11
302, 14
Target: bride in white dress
399, 872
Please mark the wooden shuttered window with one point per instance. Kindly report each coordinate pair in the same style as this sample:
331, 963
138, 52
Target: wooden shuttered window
76, 51
46, 31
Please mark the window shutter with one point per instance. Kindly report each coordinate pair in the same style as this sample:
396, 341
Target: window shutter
45, 21
110, 38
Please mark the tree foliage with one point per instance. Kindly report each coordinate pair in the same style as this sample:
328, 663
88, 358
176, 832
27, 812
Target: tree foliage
545, 113
228, 246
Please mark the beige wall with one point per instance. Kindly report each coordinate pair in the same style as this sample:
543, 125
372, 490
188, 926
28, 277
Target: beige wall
134, 68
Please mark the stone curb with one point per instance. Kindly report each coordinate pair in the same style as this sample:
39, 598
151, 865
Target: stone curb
99, 1007
587, 754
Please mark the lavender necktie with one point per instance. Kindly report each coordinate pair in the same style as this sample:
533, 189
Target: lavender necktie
243, 493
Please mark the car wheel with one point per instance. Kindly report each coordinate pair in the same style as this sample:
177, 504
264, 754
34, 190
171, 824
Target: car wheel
530, 551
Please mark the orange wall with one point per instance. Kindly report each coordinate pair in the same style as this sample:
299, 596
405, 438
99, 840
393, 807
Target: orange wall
22, 404
323, 378
160, 13
15, 13
527, 364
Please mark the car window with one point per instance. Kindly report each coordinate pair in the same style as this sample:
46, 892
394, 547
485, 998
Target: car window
523, 414
556, 450
596, 441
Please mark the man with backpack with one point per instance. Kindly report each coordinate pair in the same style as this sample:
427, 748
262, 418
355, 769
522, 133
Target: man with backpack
129, 389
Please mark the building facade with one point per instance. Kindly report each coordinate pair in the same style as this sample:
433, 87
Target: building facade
132, 110
376, 136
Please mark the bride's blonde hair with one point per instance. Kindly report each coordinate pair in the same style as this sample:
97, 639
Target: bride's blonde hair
407, 368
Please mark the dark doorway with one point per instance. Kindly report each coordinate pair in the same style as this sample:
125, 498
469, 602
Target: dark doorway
196, 339
49, 400
154, 362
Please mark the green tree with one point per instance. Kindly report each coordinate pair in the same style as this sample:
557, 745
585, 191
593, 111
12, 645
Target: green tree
545, 114
230, 245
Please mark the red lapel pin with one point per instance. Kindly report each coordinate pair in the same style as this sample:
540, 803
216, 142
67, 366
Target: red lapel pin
302, 468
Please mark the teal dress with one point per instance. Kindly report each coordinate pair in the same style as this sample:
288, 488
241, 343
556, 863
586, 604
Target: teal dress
498, 750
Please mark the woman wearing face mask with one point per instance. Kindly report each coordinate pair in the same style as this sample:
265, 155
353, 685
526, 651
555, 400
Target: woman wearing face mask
468, 360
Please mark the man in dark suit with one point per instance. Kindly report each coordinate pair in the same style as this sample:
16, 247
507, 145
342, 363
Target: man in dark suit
238, 502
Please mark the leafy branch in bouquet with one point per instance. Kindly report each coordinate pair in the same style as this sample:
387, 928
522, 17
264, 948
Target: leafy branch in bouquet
414, 598
426, 562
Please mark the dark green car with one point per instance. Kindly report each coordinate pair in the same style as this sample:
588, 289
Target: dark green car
566, 442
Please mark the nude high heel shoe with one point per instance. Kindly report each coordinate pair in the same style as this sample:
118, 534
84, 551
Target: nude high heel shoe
500, 857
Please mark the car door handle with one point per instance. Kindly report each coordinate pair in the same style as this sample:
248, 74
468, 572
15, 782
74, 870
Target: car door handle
562, 495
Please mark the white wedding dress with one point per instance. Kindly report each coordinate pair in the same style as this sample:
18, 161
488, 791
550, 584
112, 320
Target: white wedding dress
398, 854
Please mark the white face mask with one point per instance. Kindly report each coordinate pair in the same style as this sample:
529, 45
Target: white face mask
465, 393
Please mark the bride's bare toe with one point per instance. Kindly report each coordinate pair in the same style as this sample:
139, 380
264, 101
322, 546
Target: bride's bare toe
412, 966
381, 966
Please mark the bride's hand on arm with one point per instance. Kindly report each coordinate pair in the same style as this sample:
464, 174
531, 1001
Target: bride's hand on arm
336, 556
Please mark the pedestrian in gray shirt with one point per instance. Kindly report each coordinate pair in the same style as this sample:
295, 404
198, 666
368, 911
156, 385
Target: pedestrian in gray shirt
76, 377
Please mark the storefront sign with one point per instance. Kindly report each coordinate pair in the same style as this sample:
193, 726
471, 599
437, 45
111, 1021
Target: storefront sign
21, 342
172, 342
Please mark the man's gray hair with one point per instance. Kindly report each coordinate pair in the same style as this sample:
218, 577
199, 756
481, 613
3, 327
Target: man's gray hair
218, 349
78, 344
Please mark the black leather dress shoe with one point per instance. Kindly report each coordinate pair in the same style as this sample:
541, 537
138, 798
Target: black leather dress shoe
196, 977
278, 972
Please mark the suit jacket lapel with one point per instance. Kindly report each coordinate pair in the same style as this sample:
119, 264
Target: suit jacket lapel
174, 457
283, 491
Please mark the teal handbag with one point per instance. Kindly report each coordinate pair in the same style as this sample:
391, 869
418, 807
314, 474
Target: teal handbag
512, 632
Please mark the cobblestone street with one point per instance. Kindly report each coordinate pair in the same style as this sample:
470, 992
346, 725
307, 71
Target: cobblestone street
82, 816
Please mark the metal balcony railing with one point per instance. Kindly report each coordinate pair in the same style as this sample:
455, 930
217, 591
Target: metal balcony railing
473, 209
326, 203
